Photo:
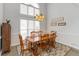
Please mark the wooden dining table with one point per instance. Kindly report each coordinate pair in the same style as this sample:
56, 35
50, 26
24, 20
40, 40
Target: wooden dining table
34, 42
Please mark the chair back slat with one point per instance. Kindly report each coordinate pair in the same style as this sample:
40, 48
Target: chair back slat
21, 42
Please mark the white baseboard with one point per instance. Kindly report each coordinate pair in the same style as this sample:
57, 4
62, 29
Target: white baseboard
72, 46
69, 40
15, 44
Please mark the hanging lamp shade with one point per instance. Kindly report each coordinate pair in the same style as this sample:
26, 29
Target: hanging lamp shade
39, 17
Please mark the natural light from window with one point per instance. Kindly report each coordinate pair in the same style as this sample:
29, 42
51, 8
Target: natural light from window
31, 11
28, 24
23, 9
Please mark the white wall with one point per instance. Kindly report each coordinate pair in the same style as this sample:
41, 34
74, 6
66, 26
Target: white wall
1, 15
43, 8
68, 34
11, 11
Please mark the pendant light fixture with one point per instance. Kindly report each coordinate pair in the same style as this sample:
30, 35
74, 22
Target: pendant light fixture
39, 17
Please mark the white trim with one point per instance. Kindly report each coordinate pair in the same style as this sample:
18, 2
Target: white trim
65, 43
15, 44
69, 40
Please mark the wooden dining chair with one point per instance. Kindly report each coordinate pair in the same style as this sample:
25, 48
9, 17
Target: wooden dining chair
33, 34
52, 38
23, 49
44, 41
40, 32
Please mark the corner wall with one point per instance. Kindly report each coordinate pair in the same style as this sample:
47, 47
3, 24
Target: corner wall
11, 11
68, 34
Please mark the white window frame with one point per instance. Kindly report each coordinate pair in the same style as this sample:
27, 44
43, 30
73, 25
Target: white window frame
34, 29
29, 5
27, 16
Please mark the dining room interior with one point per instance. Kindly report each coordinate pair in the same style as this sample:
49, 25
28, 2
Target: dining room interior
39, 29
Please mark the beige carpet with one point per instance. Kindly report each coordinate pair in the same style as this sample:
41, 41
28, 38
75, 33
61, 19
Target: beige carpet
60, 50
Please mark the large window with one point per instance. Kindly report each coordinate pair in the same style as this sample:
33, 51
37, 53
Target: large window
27, 24
36, 12
29, 9
37, 25
23, 27
23, 9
